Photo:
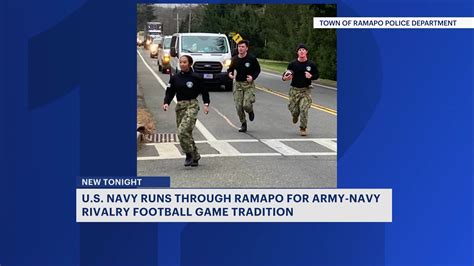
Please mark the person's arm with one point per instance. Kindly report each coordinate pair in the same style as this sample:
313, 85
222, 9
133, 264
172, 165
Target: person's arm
288, 74
256, 70
205, 96
314, 72
170, 93
230, 70
232, 65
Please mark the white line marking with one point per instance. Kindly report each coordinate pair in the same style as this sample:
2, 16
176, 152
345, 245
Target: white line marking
163, 85
224, 148
298, 139
207, 135
206, 141
150, 158
280, 147
241, 140
243, 155
256, 140
305, 139
315, 84
167, 150
328, 143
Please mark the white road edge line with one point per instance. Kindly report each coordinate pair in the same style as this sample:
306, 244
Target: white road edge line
206, 133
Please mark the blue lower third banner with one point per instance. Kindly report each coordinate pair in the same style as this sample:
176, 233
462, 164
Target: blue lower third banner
233, 205
122, 181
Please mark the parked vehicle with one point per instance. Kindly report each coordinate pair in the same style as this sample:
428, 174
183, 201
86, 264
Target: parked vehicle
164, 55
140, 38
155, 46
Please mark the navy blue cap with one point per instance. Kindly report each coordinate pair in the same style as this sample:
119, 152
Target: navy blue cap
301, 45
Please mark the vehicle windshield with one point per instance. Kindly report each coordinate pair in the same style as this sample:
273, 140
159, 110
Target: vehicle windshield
204, 44
167, 43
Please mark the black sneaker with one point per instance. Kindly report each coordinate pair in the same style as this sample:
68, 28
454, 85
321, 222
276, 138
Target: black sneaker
196, 157
295, 119
251, 116
243, 128
189, 159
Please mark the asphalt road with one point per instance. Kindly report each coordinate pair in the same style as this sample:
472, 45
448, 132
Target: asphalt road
271, 154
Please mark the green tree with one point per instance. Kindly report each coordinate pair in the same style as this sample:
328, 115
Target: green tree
275, 30
145, 13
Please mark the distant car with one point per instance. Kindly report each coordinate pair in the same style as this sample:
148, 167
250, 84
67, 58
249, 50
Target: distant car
155, 46
164, 55
148, 42
140, 38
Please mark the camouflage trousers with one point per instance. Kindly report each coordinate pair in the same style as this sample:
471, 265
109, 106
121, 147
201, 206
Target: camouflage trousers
244, 97
186, 116
300, 102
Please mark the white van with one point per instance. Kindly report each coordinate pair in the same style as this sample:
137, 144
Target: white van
211, 55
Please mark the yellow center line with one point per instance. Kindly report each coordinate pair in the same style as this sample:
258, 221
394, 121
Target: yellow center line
313, 105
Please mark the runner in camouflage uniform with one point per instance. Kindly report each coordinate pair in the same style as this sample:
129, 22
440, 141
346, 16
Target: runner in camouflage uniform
186, 85
301, 72
248, 69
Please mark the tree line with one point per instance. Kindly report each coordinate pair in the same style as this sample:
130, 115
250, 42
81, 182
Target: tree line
274, 30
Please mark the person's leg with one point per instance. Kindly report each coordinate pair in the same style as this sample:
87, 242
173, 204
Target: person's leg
304, 105
180, 110
249, 99
185, 131
239, 101
239, 105
293, 104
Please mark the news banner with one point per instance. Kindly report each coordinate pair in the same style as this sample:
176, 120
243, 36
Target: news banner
132, 199
393, 22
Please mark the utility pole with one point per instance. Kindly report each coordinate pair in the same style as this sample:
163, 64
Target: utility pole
177, 21
189, 25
